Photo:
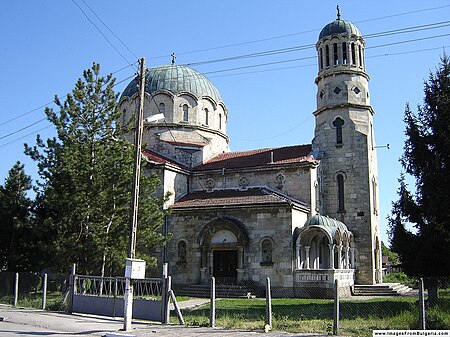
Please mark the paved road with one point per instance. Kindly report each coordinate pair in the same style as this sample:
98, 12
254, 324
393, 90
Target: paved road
30, 322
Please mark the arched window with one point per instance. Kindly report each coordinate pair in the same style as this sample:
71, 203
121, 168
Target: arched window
321, 58
374, 195
266, 251
206, 116
344, 53
182, 251
353, 54
335, 54
162, 108
220, 122
338, 123
340, 192
360, 56
185, 113
327, 55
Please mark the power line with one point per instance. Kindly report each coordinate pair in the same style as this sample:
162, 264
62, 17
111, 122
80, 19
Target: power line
310, 46
64, 96
45, 118
283, 50
25, 136
303, 32
244, 73
104, 24
273, 52
99, 30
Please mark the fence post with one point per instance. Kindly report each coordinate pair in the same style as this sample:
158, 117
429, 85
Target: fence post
16, 289
336, 308
268, 306
44, 291
422, 323
167, 300
115, 296
212, 305
72, 285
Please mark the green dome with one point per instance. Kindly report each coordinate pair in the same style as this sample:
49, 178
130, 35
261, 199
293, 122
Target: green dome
328, 225
339, 26
176, 79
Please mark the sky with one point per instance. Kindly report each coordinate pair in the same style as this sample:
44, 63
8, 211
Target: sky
46, 45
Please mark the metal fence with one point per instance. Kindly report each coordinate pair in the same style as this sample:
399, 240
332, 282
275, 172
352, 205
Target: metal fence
245, 305
389, 306
33, 290
105, 296
115, 286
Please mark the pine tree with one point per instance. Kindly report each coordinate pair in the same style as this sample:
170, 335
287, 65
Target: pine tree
86, 174
15, 224
426, 158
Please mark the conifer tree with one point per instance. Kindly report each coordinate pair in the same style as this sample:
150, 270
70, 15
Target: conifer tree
15, 224
86, 175
426, 158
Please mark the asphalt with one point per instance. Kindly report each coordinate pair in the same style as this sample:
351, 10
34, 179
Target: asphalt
46, 323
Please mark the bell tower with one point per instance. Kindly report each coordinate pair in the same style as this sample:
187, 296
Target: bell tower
344, 144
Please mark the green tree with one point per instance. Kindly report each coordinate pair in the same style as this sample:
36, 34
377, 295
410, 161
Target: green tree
85, 186
426, 158
393, 257
15, 224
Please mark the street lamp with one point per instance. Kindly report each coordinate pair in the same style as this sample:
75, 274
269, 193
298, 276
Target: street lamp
134, 268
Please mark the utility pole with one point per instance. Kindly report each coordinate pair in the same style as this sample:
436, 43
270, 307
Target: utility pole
128, 296
137, 161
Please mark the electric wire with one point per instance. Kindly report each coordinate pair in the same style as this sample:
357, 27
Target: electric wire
252, 72
311, 46
45, 118
284, 50
64, 96
109, 29
273, 52
303, 32
99, 30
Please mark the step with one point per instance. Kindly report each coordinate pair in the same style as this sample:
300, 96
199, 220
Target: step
385, 289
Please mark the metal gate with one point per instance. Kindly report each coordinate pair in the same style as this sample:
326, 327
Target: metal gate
105, 296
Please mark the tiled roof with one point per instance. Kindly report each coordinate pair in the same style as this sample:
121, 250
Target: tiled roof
261, 157
160, 159
229, 197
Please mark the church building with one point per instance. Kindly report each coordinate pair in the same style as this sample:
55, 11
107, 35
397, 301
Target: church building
302, 215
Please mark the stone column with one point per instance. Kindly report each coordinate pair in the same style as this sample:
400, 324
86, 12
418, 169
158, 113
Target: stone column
347, 262
240, 257
339, 251
307, 257
331, 246
297, 255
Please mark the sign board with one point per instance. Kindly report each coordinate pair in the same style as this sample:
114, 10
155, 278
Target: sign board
135, 269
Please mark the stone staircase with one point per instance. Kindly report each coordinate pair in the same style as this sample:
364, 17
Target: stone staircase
385, 289
222, 291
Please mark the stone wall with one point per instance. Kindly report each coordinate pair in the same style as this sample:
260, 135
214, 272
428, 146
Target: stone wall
259, 223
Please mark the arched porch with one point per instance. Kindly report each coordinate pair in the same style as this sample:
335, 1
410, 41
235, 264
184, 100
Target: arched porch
222, 242
323, 253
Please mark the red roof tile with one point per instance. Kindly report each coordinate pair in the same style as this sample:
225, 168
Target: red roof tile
261, 157
229, 197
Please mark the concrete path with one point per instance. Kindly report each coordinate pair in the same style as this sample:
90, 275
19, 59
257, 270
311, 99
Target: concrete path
47, 323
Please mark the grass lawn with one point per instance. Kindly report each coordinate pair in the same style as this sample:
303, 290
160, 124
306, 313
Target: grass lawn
357, 317
34, 300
